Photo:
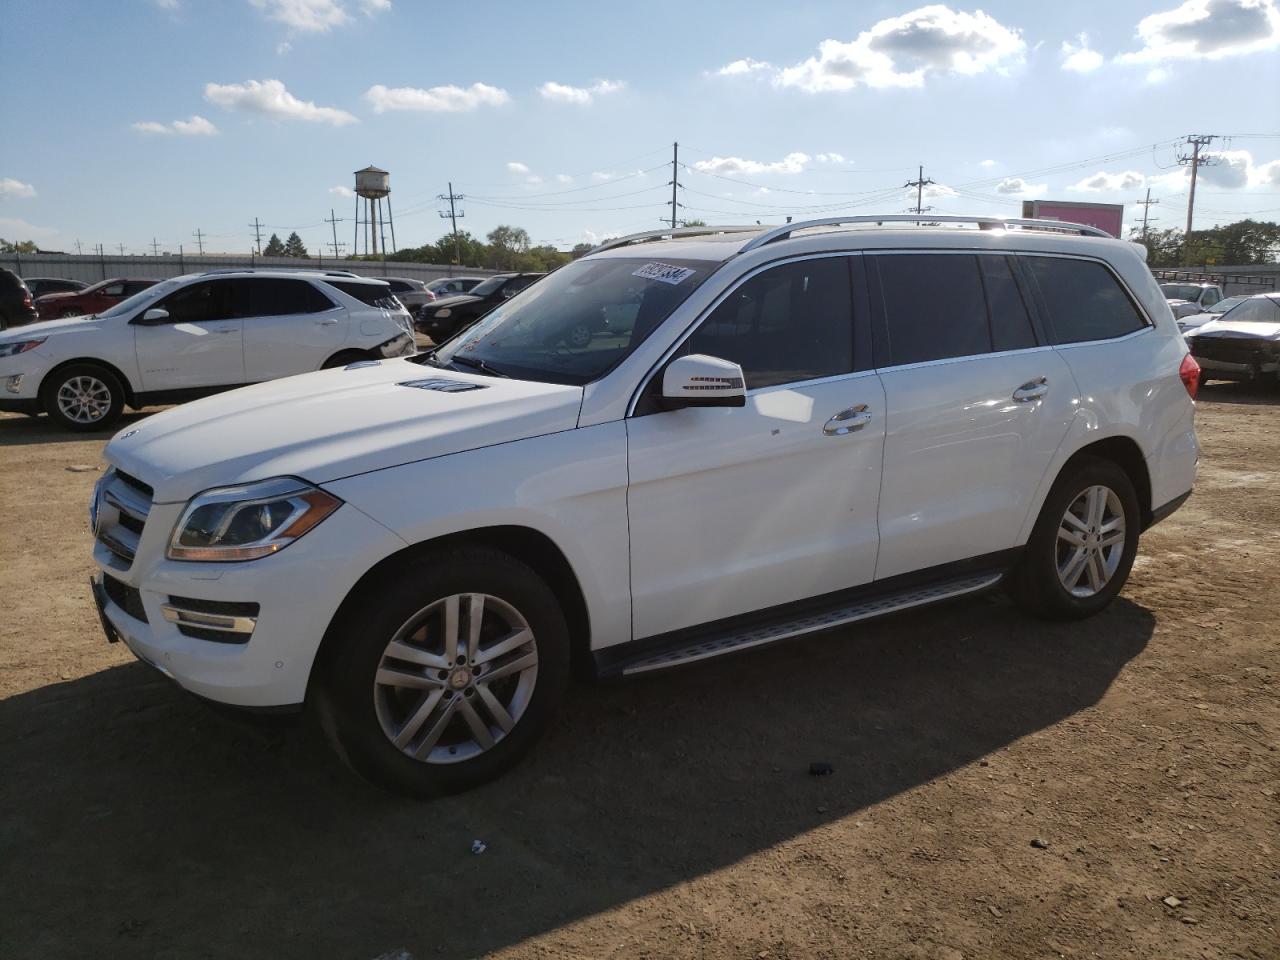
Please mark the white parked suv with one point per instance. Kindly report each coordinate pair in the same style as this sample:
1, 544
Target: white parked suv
799, 427
195, 335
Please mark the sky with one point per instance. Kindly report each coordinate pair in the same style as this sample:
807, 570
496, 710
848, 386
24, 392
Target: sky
165, 117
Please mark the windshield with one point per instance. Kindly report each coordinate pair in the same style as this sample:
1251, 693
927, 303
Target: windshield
1222, 306
129, 304
1181, 291
490, 285
576, 323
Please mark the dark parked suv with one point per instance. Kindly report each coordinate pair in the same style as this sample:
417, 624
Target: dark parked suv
15, 300
442, 318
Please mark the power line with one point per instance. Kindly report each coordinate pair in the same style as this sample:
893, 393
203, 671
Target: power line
1195, 161
675, 181
333, 221
199, 240
1146, 211
453, 215
919, 183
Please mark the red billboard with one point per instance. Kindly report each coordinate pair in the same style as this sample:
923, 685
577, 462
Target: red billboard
1105, 216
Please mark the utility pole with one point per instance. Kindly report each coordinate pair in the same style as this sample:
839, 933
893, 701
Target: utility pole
453, 216
78, 253
1195, 161
919, 183
675, 181
333, 221
199, 240
155, 248
1146, 211
257, 234
121, 246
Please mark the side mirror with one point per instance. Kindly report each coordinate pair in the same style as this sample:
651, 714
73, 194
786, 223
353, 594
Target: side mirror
701, 381
153, 317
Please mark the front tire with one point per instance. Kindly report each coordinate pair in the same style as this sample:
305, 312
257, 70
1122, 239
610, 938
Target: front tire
343, 357
443, 677
1082, 547
84, 396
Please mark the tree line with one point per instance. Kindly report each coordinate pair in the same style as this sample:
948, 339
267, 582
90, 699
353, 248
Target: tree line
1236, 244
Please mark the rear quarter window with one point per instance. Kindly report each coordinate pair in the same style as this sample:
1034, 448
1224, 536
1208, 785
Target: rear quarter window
372, 294
1083, 299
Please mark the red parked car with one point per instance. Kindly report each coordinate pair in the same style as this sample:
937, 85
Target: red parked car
92, 299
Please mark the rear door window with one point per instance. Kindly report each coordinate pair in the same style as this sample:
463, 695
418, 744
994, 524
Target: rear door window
1083, 299
279, 297
934, 308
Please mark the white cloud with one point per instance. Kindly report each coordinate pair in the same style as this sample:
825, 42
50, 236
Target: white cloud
371, 7
533, 180
15, 189
1103, 182
16, 229
1267, 175
283, 47
1016, 186
746, 65
270, 97
444, 99
1078, 58
563, 178
305, 16
166, 4
1157, 75
791, 163
830, 158
600, 176
196, 126
341, 191
562, 93
1207, 29
901, 51
987, 163
516, 167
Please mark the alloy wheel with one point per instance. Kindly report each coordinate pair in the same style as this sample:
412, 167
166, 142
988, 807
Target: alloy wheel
84, 399
1091, 541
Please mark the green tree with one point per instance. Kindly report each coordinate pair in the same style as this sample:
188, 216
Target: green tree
581, 250
1236, 244
693, 223
293, 247
274, 248
19, 246
506, 246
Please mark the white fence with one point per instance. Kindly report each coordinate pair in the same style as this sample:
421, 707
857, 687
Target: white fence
93, 268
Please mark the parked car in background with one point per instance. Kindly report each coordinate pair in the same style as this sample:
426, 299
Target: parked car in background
92, 299
806, 427
412, 293
448, 286
1242, 344
443, 318
39, 286
16, 304
1193, 320
196, 335
1188, 298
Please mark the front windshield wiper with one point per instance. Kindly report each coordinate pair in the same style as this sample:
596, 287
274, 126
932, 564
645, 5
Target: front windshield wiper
480, 365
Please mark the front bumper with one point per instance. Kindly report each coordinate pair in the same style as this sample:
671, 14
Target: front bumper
297, 592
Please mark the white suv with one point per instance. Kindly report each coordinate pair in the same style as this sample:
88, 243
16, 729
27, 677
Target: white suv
778, 431
196, 335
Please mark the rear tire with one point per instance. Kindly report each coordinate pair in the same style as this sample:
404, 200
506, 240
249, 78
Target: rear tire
343, 357
83, 396
1082, 547
421, 697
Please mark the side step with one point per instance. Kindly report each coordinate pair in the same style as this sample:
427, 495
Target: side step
745, 637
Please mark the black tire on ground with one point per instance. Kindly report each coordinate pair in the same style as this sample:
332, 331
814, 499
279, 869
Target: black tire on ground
359, 641
343, 357
70, 313
103, 395
1035, 582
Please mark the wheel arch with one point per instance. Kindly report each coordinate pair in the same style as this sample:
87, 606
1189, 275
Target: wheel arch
1125, 453
531, 547
129, 393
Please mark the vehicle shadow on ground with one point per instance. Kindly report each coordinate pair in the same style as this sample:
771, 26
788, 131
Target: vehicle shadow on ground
1252, 392
139, 823
20, 430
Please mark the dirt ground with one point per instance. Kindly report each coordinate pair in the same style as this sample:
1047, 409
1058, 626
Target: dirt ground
1002, 787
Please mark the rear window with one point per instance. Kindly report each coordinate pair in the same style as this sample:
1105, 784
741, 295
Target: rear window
1084, 300
375, 294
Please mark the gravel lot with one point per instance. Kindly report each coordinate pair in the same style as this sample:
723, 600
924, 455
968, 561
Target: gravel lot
1002, 787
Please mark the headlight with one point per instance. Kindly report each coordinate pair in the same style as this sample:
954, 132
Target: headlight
442, 313
249, 521
20, 346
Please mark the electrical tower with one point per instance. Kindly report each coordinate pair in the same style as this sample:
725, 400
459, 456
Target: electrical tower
1146, 211
1195, 141
257, 234
199, 240
919, 183
452, 216
675, 183
333, 220
155, 248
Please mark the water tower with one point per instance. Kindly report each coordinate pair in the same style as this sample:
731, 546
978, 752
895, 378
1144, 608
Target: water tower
373, 186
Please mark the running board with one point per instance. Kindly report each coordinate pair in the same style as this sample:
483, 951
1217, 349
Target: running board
744, 638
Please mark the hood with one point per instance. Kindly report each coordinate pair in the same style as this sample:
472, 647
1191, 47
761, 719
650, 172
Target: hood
457, 300
1239, 329
332, 424
44, 328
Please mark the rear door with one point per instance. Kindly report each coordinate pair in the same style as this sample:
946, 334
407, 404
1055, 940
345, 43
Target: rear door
977, 405
199, 345
290, 327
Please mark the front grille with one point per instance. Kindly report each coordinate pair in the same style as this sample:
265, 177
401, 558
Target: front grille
125, 597
124, 502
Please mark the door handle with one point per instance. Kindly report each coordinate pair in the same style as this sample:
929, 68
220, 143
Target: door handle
326, 323
1032, 390
226, 329
847, 421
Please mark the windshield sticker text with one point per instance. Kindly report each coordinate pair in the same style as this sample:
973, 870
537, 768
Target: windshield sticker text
664, 273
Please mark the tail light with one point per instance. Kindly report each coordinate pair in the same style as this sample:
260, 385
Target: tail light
26, 298
1189, 372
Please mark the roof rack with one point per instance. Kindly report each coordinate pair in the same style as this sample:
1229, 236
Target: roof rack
669, 232
315, 270
785, 230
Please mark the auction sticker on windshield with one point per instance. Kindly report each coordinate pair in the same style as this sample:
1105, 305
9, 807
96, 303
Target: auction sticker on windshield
664, 273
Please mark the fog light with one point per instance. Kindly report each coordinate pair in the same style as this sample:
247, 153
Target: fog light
14, 384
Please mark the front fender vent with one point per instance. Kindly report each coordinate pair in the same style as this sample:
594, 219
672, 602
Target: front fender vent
443, 385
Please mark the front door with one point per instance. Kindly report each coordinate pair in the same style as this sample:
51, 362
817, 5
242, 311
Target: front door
738, 509
199, 345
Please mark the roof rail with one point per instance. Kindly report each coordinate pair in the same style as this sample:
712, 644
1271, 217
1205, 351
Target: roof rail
669, 232
785, 230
